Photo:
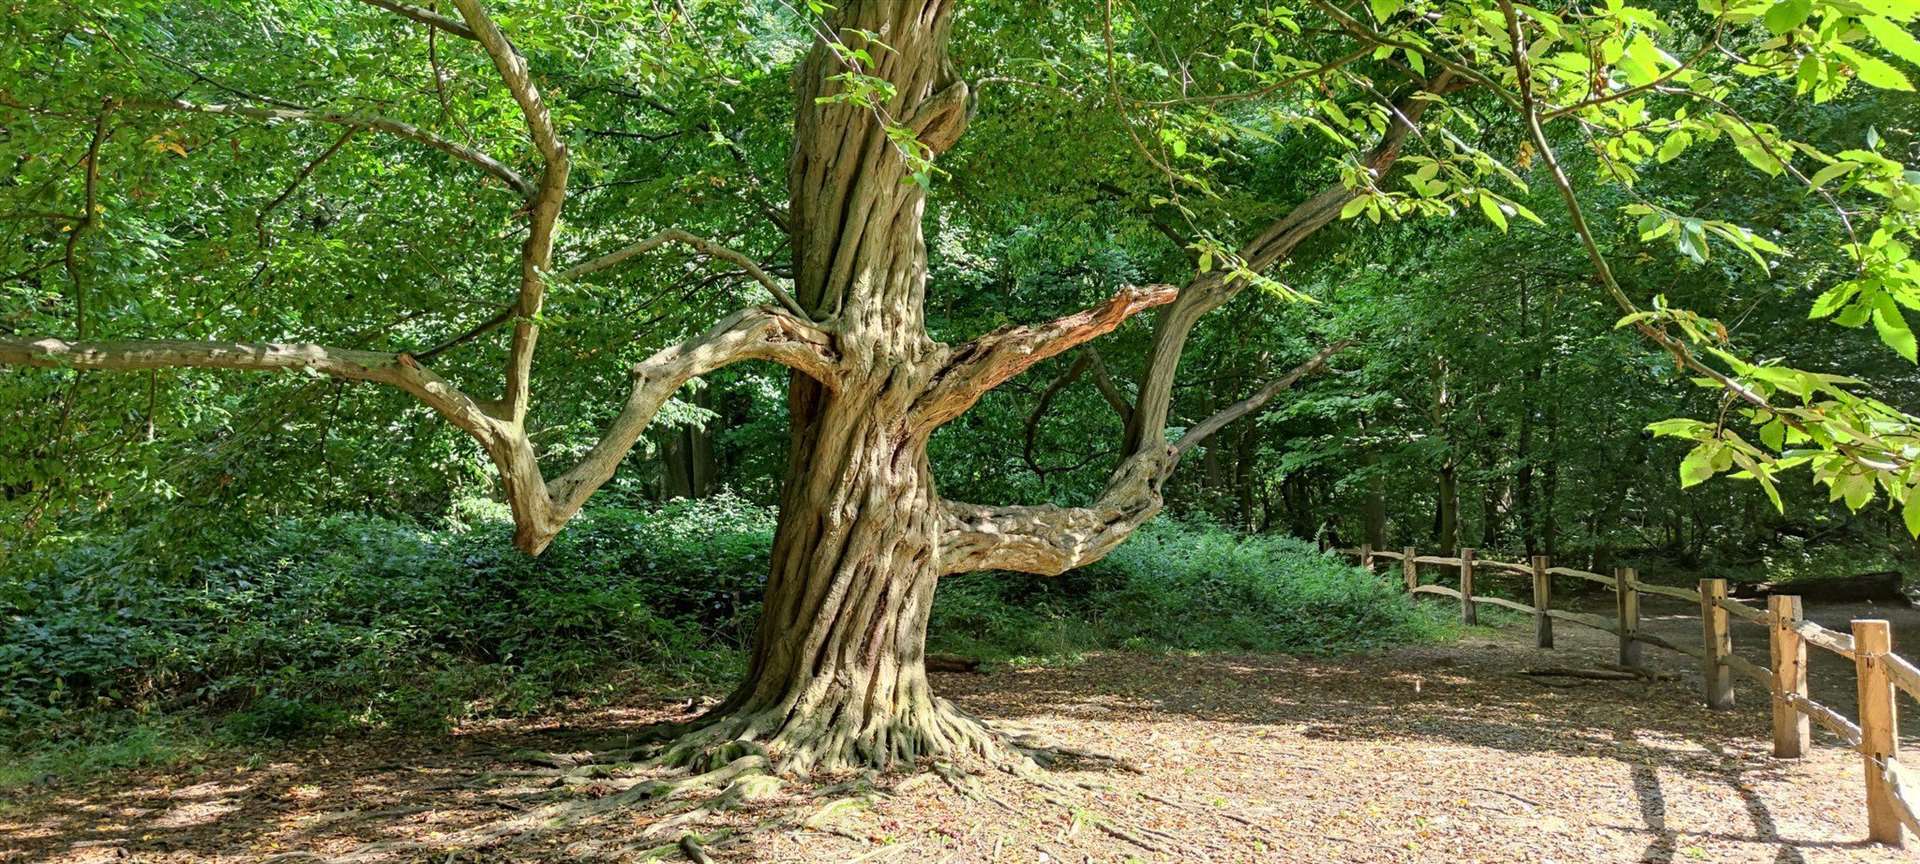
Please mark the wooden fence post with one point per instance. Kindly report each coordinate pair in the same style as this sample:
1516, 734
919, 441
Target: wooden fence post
1791, 728
1366, 556
1467, 615
1409, 569
1715, 673
1626, 607
1879, 742
1542, 596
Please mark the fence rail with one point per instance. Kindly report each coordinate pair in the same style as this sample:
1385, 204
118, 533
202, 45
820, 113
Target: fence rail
1880, 674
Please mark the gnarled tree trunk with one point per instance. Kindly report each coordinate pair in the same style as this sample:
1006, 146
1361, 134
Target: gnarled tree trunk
837, 675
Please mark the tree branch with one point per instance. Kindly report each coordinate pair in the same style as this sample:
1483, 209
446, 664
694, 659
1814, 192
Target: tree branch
1110, 391
260, 221
1060, 382
1200, 431
536, 254
397, 370
425, 16
539, 508
89, 217
675, 235
983, 364
472, 333
1049, 540
359, 121
1146, 431
761, 333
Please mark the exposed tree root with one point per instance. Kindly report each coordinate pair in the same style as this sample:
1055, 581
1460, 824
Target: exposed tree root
684, 775
1052, 754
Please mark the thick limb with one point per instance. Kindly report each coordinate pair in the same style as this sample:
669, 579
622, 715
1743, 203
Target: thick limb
985, 363
536, 253
1051, 540
539, 508
1146, 429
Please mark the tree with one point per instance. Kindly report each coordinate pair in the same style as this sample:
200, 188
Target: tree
836, 676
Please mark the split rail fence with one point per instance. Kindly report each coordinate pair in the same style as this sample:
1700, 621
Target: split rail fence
1891, 794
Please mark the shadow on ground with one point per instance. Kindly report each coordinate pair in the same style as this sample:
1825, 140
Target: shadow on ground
1422, 754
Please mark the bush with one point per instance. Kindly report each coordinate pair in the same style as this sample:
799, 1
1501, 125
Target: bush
351, 622
357, 620
1186, 587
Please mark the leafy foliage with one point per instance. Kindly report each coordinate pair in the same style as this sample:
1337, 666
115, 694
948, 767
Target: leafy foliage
1187, 588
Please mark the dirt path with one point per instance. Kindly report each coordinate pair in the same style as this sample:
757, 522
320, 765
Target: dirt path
1439, 754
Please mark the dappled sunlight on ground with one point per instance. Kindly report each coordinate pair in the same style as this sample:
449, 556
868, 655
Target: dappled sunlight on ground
1440, 754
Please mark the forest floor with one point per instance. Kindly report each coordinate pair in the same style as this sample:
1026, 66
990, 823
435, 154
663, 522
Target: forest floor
1443, 753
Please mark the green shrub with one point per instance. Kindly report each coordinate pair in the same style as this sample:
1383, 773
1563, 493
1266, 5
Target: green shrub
350, 622
1186, 587
356, 620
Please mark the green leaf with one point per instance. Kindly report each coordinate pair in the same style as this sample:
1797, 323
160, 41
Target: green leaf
1894, 38
1678, 427
1892, 327
1788, 14
1697, 468
1774, 434
1773, 494
1825, 175
1910, 512
1491, 207
1384, 9
1873, 70
1857, 489
1675, 144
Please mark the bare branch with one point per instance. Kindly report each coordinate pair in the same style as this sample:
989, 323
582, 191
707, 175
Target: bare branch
1110, 391
475, 332
1200, 431
986, 362
397, 370
675, 235
519, 80
260, 221
1060, 382
536, 254
425, 16
761, 333
1050, 540
359, 121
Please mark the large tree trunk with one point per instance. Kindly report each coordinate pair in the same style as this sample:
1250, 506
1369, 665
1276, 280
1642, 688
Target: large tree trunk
837, 676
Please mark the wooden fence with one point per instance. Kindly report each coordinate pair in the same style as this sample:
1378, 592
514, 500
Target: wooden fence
1891, 795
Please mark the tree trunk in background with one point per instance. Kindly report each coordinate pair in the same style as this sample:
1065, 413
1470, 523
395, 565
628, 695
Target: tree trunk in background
1523, 448
1550, 479
1446, 511
1493, 505
686, 454
1246, 457
1373, 512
